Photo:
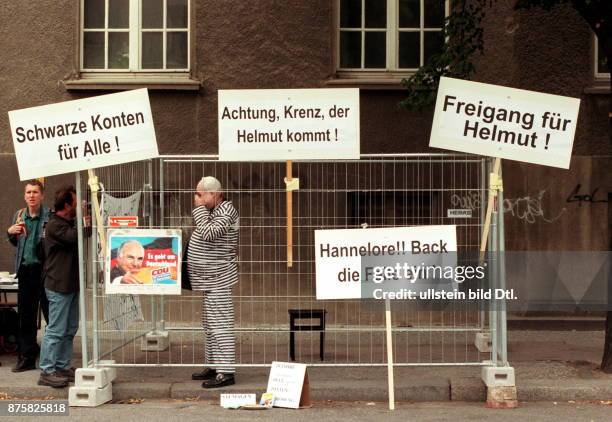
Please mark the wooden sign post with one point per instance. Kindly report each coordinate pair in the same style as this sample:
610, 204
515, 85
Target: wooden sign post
389, 354
495, 185
291, 184
94, 186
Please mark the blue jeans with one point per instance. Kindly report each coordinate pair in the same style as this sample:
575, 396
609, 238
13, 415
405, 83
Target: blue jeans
56, 350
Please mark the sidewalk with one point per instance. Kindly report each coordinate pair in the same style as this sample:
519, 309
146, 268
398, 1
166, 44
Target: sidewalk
550, 366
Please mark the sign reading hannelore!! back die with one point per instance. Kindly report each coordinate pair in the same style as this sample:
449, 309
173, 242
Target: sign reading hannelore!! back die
504, 122
82, 134
288, 124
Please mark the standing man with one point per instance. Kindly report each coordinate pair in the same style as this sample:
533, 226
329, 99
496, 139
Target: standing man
26, 233
61, 281
213, 268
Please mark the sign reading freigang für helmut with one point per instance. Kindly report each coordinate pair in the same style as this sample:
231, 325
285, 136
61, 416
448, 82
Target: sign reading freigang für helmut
288, 124
504, 122
348, 261
83, 134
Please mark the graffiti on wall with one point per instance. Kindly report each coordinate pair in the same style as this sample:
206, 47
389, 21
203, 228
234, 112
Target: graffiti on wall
527, 208
575, 196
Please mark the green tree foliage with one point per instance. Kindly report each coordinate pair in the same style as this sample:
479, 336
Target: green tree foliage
464, 34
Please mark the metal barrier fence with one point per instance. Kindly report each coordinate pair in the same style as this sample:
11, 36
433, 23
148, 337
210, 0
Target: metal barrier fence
378, 190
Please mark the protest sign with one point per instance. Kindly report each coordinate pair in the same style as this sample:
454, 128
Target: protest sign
289, 384
235, 400
288, 124
503, 122
83, 134
339, 253
143, 261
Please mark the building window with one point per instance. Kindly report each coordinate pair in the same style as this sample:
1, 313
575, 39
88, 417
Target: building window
602, 67
135, 35
389, 35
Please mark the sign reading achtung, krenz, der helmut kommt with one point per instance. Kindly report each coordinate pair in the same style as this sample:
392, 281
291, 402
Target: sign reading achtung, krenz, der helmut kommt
288, 124
82, 134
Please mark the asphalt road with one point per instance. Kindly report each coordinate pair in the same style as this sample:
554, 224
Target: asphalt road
333, 411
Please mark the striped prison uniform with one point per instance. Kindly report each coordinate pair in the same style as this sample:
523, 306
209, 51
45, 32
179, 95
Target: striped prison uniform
213, 268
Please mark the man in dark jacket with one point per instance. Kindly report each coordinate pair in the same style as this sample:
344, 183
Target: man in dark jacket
25, 233
61, 281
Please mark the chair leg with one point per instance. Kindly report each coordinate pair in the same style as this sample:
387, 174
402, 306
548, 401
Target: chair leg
322, 345
292, 345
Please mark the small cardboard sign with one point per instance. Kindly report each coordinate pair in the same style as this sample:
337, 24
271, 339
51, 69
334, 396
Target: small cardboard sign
289, 383
234, 401
459, 213
123, 221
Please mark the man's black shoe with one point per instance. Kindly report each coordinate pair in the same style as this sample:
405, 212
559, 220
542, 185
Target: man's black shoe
52, 380
206, 374
221, 380
24, 364
66, 373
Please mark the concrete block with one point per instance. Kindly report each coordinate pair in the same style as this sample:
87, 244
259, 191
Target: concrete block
155, 341
93, 377
501, 397
498, 376
483, 342
111, 372
470, 389
89, 396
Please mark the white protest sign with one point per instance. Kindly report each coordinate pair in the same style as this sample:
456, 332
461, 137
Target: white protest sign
83, 134
503, 122
237, 400
289, 384
338, 253
288, 124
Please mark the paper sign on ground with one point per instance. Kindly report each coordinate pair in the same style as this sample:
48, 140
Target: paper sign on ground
338, 253
234, 401
83, 134
143, 261
289, 384
503, 122
288, 124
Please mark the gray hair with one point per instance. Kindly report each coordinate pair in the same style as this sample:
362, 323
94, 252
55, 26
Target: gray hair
127, 243
209, 184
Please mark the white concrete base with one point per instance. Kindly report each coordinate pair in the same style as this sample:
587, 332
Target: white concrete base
155, 341
89, 396
483, 342
498, 376
94, 377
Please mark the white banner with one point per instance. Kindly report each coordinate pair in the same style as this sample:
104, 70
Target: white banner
504, 122
288, 124
338, 253
83, 134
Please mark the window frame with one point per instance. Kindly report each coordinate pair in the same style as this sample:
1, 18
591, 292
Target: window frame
598, 76
135, 42
391, 71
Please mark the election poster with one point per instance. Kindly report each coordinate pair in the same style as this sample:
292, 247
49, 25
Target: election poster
143, 261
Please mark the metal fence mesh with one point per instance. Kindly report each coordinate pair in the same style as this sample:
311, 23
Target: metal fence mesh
380, 191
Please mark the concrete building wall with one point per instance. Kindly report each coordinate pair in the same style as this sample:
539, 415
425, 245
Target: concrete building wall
272, 44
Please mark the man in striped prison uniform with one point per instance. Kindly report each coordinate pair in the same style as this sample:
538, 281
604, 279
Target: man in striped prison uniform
213, 268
